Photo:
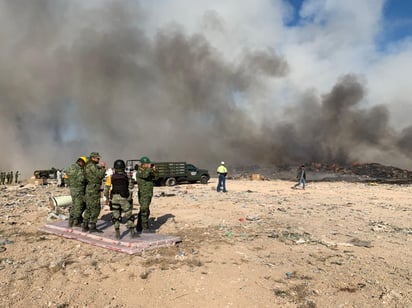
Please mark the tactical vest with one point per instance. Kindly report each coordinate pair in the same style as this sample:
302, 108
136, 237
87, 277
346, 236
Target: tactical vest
120, 184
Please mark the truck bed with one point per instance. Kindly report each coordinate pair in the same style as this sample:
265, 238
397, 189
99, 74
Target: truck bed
174, 169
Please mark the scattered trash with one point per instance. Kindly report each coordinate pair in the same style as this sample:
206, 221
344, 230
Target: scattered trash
241, 219
300, 241
163, 194
273, 235
281, 293
360, 243
6, 242
294, 237
256, 176
228, 233
144, 275
380, 226
180, 256
252, 218
54, 216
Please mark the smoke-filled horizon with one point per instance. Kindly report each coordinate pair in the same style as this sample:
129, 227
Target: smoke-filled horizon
78, 78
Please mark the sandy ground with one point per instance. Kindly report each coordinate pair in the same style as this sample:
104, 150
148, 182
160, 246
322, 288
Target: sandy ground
262, 244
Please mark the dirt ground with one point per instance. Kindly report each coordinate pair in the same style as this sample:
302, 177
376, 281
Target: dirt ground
262, 244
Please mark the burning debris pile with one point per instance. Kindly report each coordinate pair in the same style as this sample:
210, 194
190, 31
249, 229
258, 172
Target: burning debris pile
367, 172
379, 171
357, 172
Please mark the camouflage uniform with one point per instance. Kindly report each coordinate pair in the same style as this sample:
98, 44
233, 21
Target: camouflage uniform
2, 177
16, 177
118, 189
94, 177
145, 178
77, 186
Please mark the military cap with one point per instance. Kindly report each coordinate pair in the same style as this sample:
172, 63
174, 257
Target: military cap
95, 154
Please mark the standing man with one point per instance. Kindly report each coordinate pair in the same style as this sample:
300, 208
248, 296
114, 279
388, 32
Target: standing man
94, 174
59, 178
2, 177
145, 177
77, 185
118, 193
222, 172
16, 177
301, 176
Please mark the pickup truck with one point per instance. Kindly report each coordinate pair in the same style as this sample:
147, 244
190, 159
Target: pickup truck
172, 173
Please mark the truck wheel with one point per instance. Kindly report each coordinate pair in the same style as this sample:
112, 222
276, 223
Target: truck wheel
170, 182
204, 179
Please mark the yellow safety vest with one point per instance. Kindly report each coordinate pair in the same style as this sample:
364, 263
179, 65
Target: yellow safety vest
221, 169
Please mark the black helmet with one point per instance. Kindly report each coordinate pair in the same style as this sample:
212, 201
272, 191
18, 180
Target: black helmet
119, 164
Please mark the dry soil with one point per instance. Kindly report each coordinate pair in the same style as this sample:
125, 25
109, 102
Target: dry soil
261, 244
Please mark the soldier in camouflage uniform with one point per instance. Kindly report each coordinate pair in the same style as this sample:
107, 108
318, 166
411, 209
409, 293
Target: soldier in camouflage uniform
77, 186
16, 177
118, 193
146, 175
2, 177
94, 176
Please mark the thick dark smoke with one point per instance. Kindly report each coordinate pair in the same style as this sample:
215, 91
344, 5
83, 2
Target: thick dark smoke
335, 128
77, 78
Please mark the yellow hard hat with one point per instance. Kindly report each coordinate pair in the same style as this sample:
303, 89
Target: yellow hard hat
84, 158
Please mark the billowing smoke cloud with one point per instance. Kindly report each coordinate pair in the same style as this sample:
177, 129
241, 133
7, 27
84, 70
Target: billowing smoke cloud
77, 78
334, 127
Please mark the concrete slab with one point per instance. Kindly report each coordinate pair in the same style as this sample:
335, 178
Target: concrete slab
146, 241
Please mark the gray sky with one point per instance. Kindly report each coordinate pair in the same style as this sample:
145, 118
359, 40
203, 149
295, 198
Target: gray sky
201, 82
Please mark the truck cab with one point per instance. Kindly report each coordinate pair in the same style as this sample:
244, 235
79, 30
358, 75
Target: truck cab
194, 174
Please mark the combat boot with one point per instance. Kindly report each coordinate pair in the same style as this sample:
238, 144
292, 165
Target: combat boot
71, 222
117, 234
145, 227
139, 226
85, 226
93, 228
133, 233
77, 222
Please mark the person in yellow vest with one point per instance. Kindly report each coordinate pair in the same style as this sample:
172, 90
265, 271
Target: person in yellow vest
222, 172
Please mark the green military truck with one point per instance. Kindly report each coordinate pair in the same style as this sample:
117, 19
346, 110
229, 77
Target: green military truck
172, 173
45, 174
